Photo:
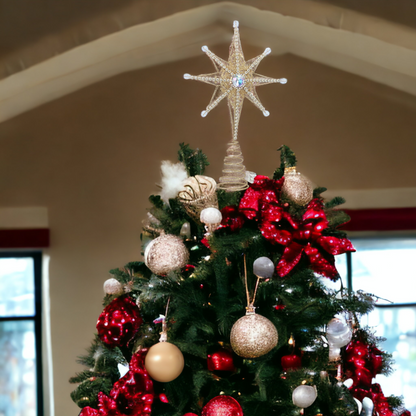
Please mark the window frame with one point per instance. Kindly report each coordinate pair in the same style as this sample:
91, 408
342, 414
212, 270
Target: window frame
36, 318
378, 236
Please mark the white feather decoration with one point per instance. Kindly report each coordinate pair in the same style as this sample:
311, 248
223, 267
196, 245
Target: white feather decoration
173, 175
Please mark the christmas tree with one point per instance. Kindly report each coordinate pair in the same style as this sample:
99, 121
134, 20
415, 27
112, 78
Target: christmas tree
230, 315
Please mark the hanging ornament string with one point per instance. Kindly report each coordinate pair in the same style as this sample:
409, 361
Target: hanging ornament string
162, 319
250, 303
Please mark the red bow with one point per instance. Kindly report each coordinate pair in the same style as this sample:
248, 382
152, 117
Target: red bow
261, 202
131, 395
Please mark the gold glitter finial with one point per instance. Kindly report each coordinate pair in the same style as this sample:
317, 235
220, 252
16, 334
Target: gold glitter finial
235, 80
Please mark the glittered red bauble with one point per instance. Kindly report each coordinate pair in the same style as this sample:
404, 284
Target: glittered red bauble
190, 414
119, 322
222, 406
221, 360
291, 362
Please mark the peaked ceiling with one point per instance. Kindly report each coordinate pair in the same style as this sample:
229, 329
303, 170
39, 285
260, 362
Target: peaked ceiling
71, 44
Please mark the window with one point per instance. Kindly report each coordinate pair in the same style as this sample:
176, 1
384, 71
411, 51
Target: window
386, 267
20, 334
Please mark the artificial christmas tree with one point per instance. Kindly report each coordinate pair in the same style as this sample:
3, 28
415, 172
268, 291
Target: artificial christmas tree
234, 282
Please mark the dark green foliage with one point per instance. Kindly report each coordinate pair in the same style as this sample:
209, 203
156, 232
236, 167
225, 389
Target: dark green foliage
205, 303
195, 161
287, 160
102, 375
318, 191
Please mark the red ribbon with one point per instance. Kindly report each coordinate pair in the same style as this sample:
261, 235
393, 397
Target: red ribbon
132, 395
261, 202
363, 362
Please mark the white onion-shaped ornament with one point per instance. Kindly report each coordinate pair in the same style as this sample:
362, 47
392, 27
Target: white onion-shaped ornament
164, 362
297, 187
211, 217
165, 254
368, 407
253, 336
338, 334
303, 396
263, 267
112, 287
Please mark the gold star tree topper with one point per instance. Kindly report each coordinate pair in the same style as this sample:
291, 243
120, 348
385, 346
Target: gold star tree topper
235, 80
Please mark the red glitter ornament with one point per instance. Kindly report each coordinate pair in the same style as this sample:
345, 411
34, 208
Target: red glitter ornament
190, 414
291, 362
222, 406
119, 322
221, 360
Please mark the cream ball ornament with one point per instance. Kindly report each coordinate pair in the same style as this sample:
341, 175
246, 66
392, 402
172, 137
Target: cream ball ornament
297, 187
166, 253
253, 335
164, 362
303, 396
112, 287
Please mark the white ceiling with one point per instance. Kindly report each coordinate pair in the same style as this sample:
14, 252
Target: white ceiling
377, 49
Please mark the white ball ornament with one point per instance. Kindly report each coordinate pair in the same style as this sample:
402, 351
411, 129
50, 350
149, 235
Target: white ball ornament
338, 334
211, 217
263, 267
112, 287
165, 254
303, 396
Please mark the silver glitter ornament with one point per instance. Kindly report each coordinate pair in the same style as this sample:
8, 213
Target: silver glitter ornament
112, 287
296, 187
253, 336
165, 254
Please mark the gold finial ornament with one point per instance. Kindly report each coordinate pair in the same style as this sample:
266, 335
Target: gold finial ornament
235, 80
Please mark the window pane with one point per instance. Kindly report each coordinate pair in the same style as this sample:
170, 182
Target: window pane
398, 325
17, 287
18, 368
385, 267
341, 265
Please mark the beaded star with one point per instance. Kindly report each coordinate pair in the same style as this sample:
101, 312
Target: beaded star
235, 80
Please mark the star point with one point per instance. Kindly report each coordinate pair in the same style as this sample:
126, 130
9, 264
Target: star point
235, 80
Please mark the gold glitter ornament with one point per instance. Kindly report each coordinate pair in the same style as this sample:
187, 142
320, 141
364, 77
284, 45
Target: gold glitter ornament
165, 254
253, 335
296, 187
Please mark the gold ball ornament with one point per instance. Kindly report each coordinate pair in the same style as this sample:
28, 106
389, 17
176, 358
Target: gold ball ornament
297, 187
165, 254
164, 362
253, 336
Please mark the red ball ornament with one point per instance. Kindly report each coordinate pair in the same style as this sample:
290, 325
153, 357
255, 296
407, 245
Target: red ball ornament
291, 362
221, 360
119, 322
222, 406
